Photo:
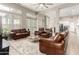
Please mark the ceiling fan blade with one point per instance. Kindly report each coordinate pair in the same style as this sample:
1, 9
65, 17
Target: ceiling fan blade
31, 4
35, 3
49, 3
37, 6
46, 6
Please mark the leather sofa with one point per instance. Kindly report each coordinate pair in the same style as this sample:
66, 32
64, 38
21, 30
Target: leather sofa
54, 45
41, 30
46, 33
19, 33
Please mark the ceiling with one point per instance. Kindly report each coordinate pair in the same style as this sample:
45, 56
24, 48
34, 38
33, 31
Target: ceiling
45, 7
39, 6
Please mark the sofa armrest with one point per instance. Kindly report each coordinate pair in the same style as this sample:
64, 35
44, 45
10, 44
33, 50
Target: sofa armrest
36, 32
26, 32
58, 45
12, 34
46, 39
51, 43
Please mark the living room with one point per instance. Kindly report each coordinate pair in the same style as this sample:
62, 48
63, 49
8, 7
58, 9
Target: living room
39, 29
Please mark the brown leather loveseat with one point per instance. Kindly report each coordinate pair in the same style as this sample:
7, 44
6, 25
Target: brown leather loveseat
19, 33
41, 30
44, 32
47, 33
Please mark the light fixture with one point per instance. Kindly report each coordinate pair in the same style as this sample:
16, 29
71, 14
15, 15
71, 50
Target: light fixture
44, 5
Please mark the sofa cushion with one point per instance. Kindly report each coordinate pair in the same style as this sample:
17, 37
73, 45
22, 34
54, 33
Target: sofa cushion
21, 33
58, 38
64, 34
16, 31
24, 33
41, 29
23, 30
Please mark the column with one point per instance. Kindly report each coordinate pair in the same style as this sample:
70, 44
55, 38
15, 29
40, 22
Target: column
56, 21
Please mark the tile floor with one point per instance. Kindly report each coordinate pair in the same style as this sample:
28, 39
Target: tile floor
24, 47
27, 47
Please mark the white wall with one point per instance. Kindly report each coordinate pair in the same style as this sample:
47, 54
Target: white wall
39, 21
53, 19
70, 11
50, 19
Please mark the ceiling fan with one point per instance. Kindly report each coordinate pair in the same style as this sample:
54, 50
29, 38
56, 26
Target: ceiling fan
38, 6
43, 5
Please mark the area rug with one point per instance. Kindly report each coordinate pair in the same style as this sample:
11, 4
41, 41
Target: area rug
24, 47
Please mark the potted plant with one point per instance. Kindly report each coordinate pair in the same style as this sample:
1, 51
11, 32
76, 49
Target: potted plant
5, 32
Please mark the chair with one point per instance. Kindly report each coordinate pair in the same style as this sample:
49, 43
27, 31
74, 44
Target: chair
53, 46
46, 33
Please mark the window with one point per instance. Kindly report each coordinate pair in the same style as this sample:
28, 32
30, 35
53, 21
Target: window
31, 15
2, 7
2, 14
16, 24
12, 18
3, 21
77, 21
15, 10
16, 21
72, 26
6, 20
